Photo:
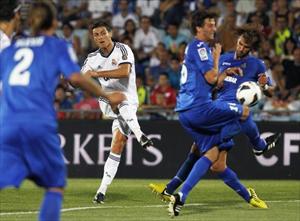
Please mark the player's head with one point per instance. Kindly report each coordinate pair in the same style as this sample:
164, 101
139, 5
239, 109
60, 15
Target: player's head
10, 14
8, 10
42, 18
249, 39
102, 34
204, 25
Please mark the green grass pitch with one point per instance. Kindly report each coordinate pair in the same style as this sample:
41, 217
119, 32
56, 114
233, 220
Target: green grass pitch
130, 199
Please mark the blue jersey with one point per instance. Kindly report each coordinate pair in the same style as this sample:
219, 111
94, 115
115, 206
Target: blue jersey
252, 67
194, 89
30, 69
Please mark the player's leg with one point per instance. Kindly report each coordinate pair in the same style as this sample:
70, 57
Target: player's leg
44, 158
128, 113
261, 145
112, 163
165, 191
198, 171
231, 179
51, 204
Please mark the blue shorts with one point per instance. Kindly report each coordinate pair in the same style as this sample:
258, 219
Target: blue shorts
212, 124
31, 150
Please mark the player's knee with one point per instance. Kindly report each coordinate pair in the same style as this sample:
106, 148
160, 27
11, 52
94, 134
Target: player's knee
118, 144
56, 190
246, 112
218, 167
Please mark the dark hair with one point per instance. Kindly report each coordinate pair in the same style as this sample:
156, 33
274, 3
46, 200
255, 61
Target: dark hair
69, 25
8, 9
102, 24
198, 19
41, 16
252, 35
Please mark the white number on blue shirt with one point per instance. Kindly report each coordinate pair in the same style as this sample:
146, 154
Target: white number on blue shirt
20, 75
184, 74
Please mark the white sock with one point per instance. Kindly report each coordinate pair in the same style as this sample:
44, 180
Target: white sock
110, 170
131, 120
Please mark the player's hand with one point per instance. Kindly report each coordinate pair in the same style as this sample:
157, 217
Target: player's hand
234, 71
262, 79
217, 51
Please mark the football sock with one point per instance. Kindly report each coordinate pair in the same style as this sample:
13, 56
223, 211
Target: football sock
182, 173
110, 169
249, 127
50, 207
199, 170
131, 119
230, 178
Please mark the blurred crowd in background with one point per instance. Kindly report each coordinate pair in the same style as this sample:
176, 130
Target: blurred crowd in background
158, 32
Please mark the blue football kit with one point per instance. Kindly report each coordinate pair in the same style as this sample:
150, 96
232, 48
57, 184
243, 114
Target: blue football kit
30, 148
252, 68
209, 122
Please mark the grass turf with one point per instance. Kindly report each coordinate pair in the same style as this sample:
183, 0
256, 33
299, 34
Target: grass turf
130, 199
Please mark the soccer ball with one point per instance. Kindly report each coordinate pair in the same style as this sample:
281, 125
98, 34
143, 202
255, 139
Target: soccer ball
248, 93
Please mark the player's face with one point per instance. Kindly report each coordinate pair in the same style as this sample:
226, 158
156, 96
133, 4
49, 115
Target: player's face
102, 37
209, 28
242, 49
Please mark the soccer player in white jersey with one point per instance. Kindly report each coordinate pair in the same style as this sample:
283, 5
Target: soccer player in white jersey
114, 67
9, 20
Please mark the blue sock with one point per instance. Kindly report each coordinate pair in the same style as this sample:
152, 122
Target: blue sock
182, 173
199, 170
230, 178
249, 127
50, 208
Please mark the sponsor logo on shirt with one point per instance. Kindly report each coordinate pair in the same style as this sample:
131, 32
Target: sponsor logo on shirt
230, 79
226, 63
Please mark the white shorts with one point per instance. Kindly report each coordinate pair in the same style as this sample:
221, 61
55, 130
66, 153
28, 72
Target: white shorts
118, 121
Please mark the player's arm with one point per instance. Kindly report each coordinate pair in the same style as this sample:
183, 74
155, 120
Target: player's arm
89, 85
263, 83
122, 71
211, 76
228, 72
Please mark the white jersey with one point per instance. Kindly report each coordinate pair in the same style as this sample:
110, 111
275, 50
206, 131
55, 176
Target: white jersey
121, 54
4, 40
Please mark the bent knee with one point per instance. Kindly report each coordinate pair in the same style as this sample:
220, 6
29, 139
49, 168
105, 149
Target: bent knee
218, 168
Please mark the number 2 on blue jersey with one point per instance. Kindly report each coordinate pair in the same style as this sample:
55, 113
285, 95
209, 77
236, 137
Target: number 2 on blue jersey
20, 76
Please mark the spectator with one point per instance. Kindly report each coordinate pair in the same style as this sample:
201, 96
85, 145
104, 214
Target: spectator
288, 49
164, 64
173, 39
87, 108
145, 39
68, 35
129, 29
292, 74
141, 91
146, 8
168, 11
118, 20
163, 94
280, 33
174, 73
98, 8
260, 11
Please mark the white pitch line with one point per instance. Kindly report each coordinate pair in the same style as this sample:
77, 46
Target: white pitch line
124, 207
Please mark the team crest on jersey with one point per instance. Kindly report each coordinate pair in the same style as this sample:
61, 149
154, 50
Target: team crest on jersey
114, 62
203, 54
244, 65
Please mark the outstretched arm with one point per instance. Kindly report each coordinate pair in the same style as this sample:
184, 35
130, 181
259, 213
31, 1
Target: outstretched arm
122, 71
